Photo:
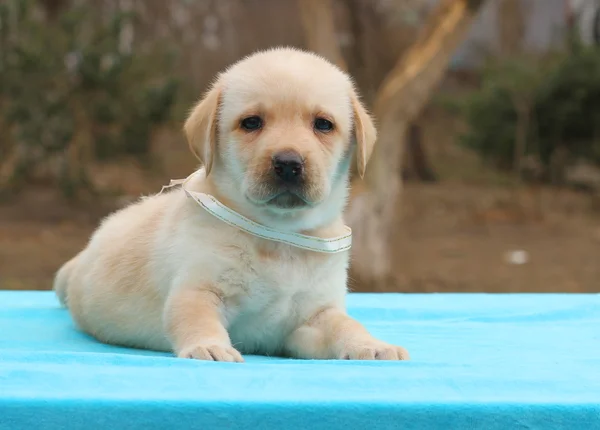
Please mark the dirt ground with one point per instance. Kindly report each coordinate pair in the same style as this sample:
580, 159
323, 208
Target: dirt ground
469, 232
451, 238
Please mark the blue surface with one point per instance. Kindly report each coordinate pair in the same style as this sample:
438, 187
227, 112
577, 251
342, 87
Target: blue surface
478, 361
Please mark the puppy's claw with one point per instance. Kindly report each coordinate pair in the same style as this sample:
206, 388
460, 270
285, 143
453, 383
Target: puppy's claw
213, 353
402, 353
374, 351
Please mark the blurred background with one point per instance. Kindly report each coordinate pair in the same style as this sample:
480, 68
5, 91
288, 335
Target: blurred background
486, 175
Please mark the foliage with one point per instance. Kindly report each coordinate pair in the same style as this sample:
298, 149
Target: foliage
70, 93
560, 95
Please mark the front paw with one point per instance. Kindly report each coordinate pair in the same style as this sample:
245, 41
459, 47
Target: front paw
373, 350
211, 352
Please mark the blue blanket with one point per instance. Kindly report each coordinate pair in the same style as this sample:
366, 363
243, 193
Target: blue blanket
478, 361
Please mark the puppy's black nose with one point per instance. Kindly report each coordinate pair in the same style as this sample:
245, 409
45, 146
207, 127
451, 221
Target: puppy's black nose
288, 166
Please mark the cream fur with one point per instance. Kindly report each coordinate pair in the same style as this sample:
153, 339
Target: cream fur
163, 274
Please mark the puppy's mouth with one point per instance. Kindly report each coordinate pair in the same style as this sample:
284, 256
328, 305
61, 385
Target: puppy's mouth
282, 199
287, 200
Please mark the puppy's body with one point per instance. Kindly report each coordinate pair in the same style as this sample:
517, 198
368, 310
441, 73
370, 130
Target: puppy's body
164, 274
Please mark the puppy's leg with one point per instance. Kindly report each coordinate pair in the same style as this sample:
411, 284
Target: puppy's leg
193, 323
332, 334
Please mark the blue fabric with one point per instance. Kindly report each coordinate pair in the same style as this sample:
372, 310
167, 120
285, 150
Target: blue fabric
478, 361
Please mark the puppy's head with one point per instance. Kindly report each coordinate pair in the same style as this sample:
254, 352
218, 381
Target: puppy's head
277, 131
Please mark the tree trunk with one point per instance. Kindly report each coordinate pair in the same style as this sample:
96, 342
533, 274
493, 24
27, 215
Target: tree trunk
402, 96
373, 214
420, 168
53, 8
511, 26
319, 29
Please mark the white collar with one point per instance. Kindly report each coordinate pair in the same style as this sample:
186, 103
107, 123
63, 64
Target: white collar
219, 210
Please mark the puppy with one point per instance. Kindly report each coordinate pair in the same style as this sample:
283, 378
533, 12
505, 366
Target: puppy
276, 134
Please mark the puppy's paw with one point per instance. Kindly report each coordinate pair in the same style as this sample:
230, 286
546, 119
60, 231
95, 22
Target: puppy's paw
374, 350
212, 353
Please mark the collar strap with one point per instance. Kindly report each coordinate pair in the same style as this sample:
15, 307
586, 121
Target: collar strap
311, 243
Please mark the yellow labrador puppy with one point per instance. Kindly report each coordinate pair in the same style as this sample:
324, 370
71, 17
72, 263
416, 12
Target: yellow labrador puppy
276, 134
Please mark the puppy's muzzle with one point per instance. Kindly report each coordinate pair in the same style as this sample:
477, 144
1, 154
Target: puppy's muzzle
288, 167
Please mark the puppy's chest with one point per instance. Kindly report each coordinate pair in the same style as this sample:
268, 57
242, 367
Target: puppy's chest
269, 294
278, 279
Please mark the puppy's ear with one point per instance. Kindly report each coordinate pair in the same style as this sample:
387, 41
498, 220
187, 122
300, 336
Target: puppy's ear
365, 134
201, 127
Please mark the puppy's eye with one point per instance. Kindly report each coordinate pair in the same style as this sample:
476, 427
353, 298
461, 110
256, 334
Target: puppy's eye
252, 123
323, 125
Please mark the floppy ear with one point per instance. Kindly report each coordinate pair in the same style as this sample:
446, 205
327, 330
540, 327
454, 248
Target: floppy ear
201, 128
365, 134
